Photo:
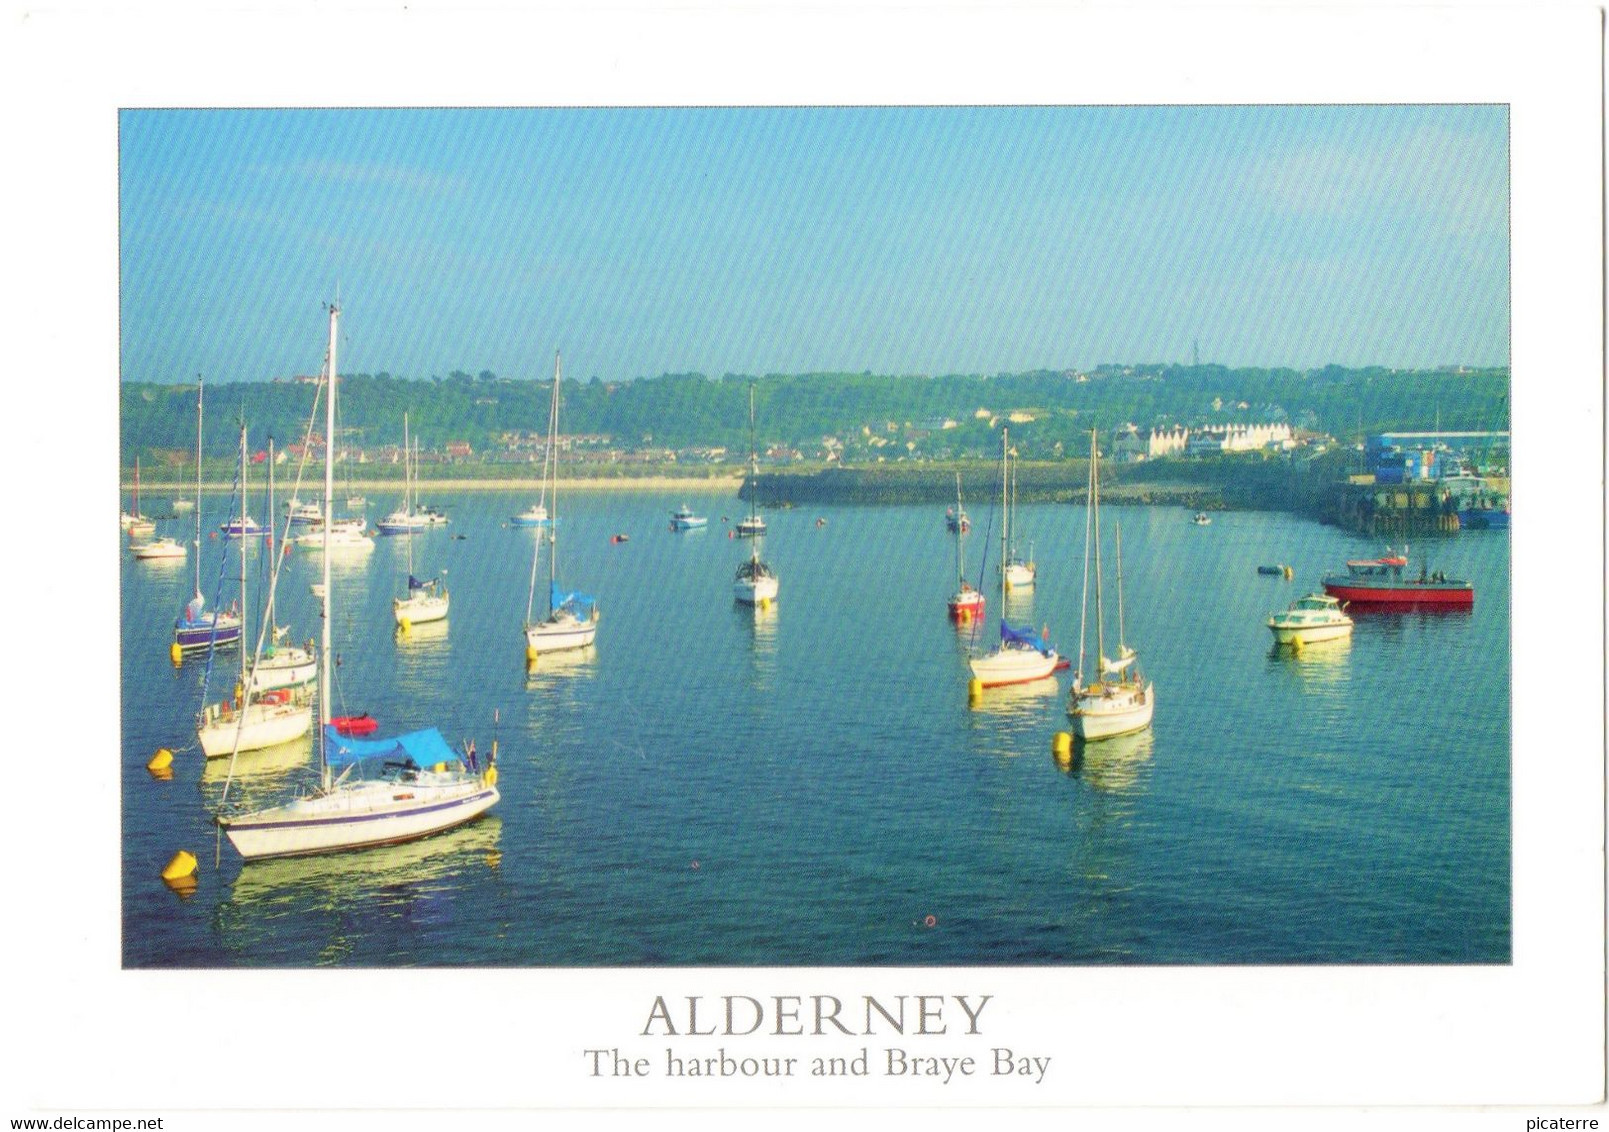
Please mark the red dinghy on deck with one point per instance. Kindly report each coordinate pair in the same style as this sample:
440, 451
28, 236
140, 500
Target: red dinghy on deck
1380, 582
364, 724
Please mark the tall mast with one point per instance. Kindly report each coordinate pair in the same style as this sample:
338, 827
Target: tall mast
324, 683
1095, 513
1089, 526
242, 541
198, 485
754, 481
1005, 447
1121, 634
553, 516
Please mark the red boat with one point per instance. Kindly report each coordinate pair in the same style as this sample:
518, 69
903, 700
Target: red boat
1382, 582
364, 724
966, 605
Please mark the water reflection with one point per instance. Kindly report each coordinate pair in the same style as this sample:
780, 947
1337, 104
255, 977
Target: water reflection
1320, 664
333, 902
761, 621
1111, 766
552, 668
260, 778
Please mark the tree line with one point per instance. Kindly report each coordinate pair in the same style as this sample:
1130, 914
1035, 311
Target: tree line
680, 411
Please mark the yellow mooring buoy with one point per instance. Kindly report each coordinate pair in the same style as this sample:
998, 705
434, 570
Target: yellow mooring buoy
974, 689
183, 865
1061, 745
160, 761
405, 624
176, 654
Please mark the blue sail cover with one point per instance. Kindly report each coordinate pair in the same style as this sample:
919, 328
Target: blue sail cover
575, 599
1010, 636
424, 748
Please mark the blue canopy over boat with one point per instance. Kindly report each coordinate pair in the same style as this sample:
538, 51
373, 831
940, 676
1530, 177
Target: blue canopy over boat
1010, 636
575, 599
423, 748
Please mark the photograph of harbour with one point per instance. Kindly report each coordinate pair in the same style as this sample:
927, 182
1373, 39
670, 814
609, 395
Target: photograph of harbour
1019, 536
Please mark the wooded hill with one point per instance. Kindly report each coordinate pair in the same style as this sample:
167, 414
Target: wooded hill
870, 416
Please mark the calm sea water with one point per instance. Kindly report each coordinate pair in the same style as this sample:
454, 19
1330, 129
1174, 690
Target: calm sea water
714, 786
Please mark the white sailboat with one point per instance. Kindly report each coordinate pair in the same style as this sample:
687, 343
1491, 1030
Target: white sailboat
252, 719
131, 521
426, 600
421, 785
405, 518
1120, 699
755, 582
967, 603
572, 616
281, 665
195, 628
1020, 572
1021, 655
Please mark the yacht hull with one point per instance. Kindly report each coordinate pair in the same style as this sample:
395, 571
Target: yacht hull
1115, 710
364, 817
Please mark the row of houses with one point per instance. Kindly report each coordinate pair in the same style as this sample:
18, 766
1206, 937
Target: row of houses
1133, 443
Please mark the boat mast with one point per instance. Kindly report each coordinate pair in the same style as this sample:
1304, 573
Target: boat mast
1122, 636
1083, 606
960, 533
242, 544
1005, 448
1095, 513
553, 515
324, 681
198, 486
754, 483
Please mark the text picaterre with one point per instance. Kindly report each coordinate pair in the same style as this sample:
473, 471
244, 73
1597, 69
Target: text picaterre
737, 1015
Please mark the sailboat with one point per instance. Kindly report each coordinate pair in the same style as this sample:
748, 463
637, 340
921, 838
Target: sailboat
421, 785
1019, 572
966, 604
752, 525
131, 521
322, 530
572, 618
427, 600
252, 719
280, 665
1120, 700
1021, 656
149, 548
755, 582
404, 519
195, 628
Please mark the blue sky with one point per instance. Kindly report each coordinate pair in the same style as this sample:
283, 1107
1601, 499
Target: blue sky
896, 240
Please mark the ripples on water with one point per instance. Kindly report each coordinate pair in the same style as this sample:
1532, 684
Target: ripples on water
712, 785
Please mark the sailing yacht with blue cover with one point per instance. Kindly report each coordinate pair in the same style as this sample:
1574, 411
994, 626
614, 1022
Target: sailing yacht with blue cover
370, 792
1022, 655
572, 616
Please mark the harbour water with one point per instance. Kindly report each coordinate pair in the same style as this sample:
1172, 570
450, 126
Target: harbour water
808, 785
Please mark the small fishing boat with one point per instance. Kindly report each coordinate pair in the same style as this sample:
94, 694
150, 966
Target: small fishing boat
1381, 582
303, 514
1316, 617
683, 519
1201, 518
